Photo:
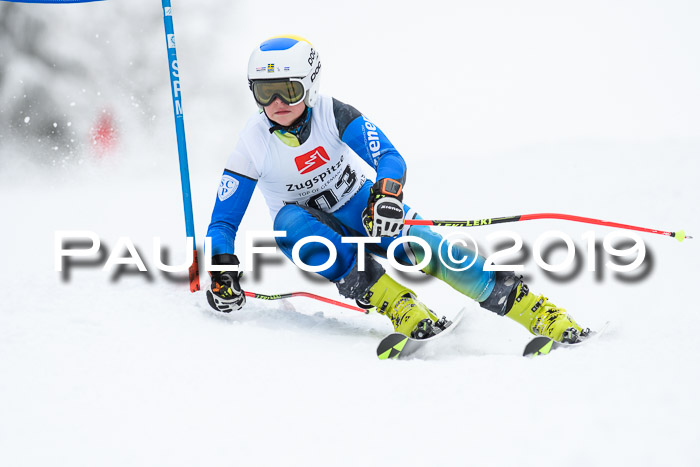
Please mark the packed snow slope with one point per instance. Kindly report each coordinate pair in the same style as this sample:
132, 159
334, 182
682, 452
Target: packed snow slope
500, 109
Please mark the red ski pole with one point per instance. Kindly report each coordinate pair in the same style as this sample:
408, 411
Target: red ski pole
679, 235
305, 294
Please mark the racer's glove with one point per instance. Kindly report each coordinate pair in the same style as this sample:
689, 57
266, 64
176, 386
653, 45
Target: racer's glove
383, 216
225, 293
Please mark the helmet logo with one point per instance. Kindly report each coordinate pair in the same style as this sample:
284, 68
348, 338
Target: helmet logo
270, 67
311, 160
313, 75
311, 57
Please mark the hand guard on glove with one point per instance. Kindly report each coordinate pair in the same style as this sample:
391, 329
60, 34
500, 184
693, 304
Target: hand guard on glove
384, 216
225, 293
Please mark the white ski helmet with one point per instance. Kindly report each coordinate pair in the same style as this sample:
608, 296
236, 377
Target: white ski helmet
287, 67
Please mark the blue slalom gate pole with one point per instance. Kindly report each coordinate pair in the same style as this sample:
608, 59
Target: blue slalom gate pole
181, 146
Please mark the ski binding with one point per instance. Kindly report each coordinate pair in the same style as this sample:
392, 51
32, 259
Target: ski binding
542, 345
399, 346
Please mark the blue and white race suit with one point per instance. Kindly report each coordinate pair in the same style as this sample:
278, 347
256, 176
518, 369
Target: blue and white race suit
328, 167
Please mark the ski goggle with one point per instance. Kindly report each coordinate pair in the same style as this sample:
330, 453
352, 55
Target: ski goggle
290, 90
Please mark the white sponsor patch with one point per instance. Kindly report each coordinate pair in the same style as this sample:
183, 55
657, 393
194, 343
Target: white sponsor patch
227, 187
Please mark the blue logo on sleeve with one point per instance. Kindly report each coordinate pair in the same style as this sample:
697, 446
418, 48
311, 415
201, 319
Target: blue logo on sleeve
227, 187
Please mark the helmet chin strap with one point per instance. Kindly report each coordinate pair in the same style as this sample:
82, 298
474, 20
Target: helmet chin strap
295, 127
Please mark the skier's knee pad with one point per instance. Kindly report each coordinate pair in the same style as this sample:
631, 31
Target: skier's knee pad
357, 283
301, 222
501, 298
286, 217
292, 217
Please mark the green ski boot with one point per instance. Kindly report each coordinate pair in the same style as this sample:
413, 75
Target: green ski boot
409, 316
543, 318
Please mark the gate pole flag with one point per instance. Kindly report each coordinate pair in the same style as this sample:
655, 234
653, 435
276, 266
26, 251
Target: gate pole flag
181, 146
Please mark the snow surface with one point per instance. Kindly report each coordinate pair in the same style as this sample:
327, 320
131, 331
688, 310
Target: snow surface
499, 108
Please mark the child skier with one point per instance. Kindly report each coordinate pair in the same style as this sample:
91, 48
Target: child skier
305, 151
